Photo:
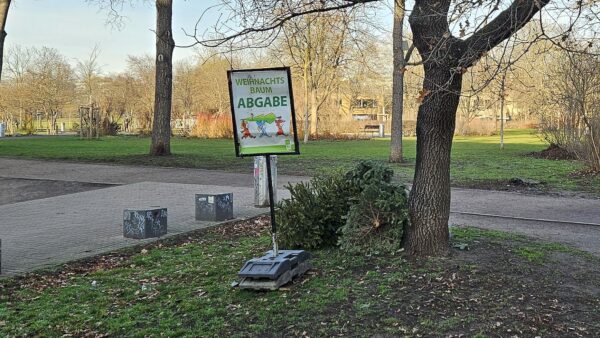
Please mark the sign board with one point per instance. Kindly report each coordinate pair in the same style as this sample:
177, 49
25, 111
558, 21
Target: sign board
262, 108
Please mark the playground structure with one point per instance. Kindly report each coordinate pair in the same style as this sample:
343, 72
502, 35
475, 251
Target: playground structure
89, 121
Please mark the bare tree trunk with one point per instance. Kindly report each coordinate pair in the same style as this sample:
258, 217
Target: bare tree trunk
429, 202
502, 97
398, 84
306, 113
4, 5
313, 112
161, 128
54, 117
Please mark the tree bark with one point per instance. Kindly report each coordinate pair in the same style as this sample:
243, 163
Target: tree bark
398, 84
4, 5
161, 128
429, 202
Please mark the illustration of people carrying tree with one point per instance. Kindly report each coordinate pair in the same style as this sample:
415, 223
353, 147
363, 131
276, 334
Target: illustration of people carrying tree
261, 122
246, 131
279, 124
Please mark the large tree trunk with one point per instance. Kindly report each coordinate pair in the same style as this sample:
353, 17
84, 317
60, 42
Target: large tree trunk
161, 128
4, 5
445, 60
398, 84
429, 202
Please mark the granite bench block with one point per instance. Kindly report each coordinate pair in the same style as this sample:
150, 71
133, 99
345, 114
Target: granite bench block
144, 223
214, 207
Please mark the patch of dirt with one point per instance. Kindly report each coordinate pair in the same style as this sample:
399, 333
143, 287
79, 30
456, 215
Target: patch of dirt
514, 185
585, 174
488, 291
20, 189
560, 295
553, 152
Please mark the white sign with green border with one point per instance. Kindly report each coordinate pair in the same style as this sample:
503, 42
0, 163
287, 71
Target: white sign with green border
262, 107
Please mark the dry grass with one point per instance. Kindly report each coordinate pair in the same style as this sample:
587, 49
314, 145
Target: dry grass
212, 126
353, 129
523, 124
476, 127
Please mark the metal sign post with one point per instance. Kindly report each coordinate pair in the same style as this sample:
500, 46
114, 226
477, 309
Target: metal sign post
264, 124
272, 206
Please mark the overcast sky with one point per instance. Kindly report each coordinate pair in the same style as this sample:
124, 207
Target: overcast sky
74, 27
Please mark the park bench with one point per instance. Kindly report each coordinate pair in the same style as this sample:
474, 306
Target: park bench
371, 128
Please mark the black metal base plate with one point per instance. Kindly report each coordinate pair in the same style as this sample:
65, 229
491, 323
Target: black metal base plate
270, 284
270, 267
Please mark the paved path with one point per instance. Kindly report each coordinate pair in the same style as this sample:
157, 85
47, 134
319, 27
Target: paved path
46, 231
43, 232
123, 174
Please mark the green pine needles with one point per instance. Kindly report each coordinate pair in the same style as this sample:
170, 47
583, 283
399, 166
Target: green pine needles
359, 210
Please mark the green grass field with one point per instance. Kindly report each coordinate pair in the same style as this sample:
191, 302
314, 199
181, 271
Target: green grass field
182, 288
474, 159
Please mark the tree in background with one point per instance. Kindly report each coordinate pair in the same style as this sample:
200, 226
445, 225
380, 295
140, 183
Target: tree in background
89, 78
211, 79
314, 45
184, 92
40, 83
163, 88
141, 71
161, 128
571, 104
400, 61
16, 90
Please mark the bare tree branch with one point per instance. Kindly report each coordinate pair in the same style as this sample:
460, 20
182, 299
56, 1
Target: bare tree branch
500, 28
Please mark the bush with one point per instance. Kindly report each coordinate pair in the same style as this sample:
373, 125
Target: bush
582, 142
360, 210
110, 128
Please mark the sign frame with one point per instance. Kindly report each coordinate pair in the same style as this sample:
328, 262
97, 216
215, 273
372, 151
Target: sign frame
296, 150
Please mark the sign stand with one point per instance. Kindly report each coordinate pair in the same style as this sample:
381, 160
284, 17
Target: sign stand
264, 124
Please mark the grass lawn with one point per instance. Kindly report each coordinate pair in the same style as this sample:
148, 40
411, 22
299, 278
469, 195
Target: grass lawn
476, 161
505, 285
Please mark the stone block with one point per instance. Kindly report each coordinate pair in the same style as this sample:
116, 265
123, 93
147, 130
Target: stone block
145, 223
214, 207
